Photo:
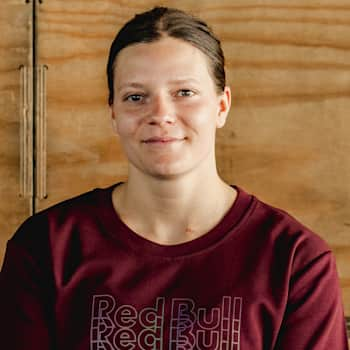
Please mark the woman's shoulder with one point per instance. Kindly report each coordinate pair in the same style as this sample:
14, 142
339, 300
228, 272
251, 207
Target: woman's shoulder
285, 229
68, 212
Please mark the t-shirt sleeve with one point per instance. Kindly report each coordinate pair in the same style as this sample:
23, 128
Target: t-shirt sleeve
24, 302
314, 318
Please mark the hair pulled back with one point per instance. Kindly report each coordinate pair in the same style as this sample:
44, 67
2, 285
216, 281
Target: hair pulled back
152, 25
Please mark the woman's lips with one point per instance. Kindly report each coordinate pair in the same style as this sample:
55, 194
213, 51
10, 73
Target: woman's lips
162, 140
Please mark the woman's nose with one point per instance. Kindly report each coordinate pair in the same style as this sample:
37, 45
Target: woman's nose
162, 111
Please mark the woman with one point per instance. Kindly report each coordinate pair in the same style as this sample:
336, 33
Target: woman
174, 258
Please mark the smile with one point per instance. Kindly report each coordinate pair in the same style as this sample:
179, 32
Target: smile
162, 140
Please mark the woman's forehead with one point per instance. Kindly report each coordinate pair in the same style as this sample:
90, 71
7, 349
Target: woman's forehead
171, 58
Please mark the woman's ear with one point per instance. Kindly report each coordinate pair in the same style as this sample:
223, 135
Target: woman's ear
224, 107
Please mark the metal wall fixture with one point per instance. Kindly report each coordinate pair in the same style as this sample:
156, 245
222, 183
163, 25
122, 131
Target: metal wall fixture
33, 153
40, 133
26, 132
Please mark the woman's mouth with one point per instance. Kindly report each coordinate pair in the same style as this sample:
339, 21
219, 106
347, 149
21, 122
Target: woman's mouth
162, 140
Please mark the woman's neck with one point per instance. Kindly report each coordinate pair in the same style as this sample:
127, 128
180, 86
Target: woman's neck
171, 211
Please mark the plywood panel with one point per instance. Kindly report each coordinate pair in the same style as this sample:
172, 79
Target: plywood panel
15, 50
82, 151
287, 136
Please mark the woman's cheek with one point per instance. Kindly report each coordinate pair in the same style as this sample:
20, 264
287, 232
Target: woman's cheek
126, 126
200, 115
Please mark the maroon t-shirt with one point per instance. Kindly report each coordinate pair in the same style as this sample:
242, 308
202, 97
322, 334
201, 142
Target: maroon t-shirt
76, 277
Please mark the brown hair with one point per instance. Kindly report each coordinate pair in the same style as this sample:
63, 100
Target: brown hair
152, 25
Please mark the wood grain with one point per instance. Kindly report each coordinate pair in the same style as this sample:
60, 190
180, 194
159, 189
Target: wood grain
15, 49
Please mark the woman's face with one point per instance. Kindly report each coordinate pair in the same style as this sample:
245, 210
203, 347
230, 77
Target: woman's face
166, 108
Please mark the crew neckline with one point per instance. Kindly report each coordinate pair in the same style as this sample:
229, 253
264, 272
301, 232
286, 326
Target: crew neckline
119, 231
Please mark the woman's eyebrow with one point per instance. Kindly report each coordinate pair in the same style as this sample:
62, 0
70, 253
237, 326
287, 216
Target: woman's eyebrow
128, 85
184, 81
177, 81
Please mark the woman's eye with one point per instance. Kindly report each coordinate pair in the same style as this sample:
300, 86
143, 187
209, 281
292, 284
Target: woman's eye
134, 98
185, 93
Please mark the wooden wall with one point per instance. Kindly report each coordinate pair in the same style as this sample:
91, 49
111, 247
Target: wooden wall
15, 51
